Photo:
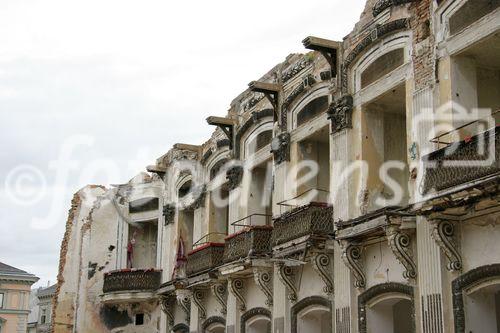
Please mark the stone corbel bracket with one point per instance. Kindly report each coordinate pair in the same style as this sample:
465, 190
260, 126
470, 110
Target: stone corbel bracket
219, 290
351, 255
264, 279
322, 265
286, 275
400, 244
443, 233
167, 305
184, 301
198, 297
237, 287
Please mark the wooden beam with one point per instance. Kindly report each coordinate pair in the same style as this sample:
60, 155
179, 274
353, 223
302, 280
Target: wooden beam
220, 121
321, 44
184, 146
264, 87
156, 169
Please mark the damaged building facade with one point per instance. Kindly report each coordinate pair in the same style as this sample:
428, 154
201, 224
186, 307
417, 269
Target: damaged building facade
354, 188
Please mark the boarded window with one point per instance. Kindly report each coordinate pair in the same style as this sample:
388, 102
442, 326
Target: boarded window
381, 66
143, 205
312, 110
470, 12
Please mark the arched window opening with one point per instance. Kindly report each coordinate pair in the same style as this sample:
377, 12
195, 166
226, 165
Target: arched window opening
185, 189
314, 319
312, 110
469, 13
142, 244
214, 325
262, 140
393, 315
482, 306
382, 66
186, 219
214, 172
180, 328
259, 324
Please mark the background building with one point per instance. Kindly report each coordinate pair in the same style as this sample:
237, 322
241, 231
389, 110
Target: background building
39, 319
15, 287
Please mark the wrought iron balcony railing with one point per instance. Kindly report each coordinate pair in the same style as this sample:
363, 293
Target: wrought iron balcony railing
314, 219
461, 162
252, 241
204, 258
132, 280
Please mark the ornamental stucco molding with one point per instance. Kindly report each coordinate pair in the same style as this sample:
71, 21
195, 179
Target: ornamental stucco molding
237, 287
400, 244
198, 299
340, 113
167, 305
351, 255
263, 279
443, 233
286, 275
322, 265
219, 291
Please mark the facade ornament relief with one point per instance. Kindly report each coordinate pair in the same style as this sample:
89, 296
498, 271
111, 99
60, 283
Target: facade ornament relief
169, 214
198, 297
237, 287
295, 69
219, 291
444, 233
280, 147
167, 305
322, 265
382, 5
234, 175
351, 255
263, 279
340, 113
286, 276
184, 301
400, 244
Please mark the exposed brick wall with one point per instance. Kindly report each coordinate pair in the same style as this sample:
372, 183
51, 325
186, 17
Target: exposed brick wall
423, 44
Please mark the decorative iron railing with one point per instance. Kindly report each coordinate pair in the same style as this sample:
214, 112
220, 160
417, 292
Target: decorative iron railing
315, 219
204, 258
462, 162
253, 241
132, 280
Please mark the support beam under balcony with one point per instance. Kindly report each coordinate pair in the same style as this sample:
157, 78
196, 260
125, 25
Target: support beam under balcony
271, 91
226, 125
328, 48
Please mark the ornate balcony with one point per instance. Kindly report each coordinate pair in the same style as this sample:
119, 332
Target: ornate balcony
130, 285
462, 162
204, 258
314, 219
253, 241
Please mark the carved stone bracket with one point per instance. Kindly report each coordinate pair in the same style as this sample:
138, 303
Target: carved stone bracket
184, 301
340, 113
286, 276
351, 255
234, 175
167, 305
443, 233
169, 213
219, 290
280, 147
198, 297
322, 265
237, 287
263, 279
400, 245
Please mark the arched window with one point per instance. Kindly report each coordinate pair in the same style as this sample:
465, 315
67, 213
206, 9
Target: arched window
180, 328
313, 109
256, 320
381, 66
263, 139
387, 308
312, 314
214, 325
214, 172
476, 300
185, 189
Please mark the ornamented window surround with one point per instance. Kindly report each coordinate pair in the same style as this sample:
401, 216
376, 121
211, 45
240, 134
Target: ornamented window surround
386, 45
212, 321
304, 304
253, 313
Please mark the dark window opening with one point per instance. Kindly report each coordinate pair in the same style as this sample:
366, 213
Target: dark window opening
470, 12
216, 169
139, 319
312, 110
185, 189
143, 205
263, 139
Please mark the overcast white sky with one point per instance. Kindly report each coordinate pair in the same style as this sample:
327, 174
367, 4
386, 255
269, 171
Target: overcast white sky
135, 77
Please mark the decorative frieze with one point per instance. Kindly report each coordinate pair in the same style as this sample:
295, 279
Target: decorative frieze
264, 279
252, 101
234, 176
237, 287
443, 233
340, 113
322, 265
280, 147
351, 255
286, 275
219, 290
382, 5
400, 244
295, 69
169, 213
